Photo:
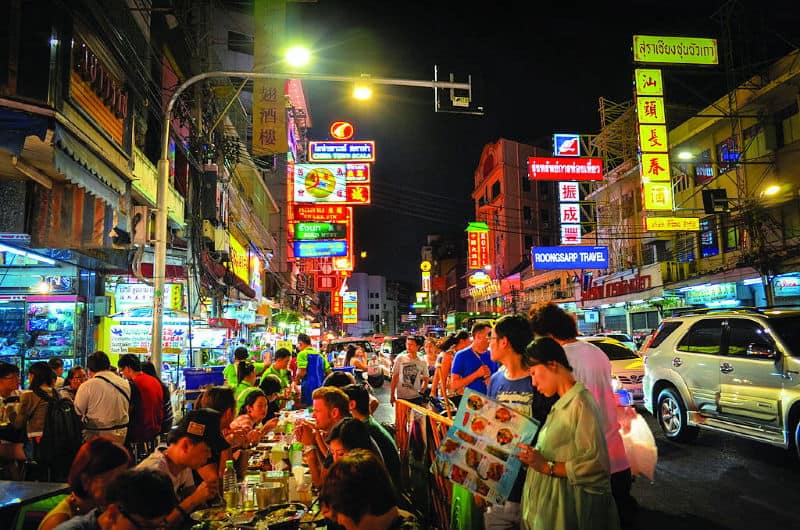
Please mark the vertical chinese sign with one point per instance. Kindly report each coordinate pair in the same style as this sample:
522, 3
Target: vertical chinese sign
651, 117
477, 245
569, 212
350, 307
270, 134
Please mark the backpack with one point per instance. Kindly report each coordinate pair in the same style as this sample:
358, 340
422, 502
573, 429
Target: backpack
63, 430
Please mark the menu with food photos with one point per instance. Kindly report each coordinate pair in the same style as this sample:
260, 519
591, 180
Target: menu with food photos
479, 451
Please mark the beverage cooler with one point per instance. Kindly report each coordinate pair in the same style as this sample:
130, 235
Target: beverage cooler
36, 328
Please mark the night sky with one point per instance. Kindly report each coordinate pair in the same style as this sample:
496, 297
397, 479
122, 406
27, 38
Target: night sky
536, 70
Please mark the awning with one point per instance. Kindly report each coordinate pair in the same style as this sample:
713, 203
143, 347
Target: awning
15, 126
82, 167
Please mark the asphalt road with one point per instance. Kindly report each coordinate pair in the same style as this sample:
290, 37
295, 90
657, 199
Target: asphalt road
717, 482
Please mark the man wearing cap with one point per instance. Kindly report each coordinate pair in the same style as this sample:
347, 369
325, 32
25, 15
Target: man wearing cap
189, 448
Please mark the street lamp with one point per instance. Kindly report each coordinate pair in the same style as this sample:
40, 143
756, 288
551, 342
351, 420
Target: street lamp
160, 246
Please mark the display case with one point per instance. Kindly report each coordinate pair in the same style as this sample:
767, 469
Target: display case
40, 327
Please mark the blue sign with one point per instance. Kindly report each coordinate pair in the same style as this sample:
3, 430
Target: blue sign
569, 257
341, 151
566, 145
320, 248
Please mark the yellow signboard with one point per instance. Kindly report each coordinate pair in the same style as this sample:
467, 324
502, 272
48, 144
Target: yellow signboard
648, 82
655, 167
653, 138
650, 109
657, 195
661, 224
239, 265
674, 50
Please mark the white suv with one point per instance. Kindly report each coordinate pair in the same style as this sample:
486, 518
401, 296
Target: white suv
735, 370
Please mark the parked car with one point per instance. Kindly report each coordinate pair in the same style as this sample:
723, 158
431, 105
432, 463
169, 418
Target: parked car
624, 338
733, 370
627, 369
382, 369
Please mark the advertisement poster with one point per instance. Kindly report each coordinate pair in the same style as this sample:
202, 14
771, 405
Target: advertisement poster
480, 449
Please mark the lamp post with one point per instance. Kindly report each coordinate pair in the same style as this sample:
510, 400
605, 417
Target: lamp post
160, 246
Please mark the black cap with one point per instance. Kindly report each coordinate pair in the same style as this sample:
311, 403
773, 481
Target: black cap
202, 425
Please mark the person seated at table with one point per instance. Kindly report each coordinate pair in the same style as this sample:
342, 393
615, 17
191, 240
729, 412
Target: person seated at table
357, 494
76, 376
343, 379
272, 387
359, 408
138, 499
98, 462
251, 416
347, 435
247, 383
12, 439
221, 399
189, 448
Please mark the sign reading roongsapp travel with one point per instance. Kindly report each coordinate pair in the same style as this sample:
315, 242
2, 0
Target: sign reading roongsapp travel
569, 257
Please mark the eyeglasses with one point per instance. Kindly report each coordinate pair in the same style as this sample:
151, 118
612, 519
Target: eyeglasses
161, 525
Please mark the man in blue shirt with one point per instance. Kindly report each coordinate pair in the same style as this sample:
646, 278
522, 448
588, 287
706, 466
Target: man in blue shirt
473, 366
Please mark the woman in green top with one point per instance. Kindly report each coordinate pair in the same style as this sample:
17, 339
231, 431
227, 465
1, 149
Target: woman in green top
247, 382
231, 372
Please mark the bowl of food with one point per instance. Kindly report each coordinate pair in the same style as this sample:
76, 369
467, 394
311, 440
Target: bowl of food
284, 516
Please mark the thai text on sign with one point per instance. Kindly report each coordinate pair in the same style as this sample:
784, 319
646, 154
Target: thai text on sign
674, 50
563, 168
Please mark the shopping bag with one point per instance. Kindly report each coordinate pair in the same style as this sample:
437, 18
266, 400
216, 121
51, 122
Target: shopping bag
640, 446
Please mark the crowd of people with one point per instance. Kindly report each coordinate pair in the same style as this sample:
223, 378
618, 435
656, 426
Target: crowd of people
578, 475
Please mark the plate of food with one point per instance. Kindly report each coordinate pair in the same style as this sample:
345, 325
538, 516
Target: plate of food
285, 515
478, 425
210, 515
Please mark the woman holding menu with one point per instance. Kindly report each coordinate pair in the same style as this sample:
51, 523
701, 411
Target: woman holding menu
568, 481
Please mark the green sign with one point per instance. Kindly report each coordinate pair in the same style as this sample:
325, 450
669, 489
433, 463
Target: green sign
310, 231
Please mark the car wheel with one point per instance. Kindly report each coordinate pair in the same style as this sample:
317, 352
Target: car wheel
797, 438
672, 417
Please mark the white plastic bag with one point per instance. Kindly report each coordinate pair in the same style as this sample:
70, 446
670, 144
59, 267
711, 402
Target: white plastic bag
640, 446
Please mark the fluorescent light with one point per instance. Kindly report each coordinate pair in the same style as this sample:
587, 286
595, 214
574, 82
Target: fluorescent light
751, 281
20, 252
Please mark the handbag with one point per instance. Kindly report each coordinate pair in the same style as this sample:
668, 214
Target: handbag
640, 447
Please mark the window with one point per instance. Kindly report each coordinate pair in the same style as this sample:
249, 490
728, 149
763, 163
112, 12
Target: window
544, 215
239, 42
754, 141
746, 336
704, 337
544, 191
528, 242
495, 190
664, 331
730, 234
685, 248
526, 183
788, 121
526, 213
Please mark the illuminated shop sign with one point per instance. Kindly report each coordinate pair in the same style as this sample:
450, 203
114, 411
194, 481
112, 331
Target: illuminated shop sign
477, 245
661, 224
702, 294
341, 151
578, 257
329, 183
313, 230
342, 130
674, 50
320, 248
561, 168
618, 288
567, 145
322, 212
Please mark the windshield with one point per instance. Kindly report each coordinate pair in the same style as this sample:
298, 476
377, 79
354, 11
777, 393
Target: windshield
788, 331
614, 352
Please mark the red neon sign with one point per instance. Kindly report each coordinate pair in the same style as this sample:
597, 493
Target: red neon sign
342, 130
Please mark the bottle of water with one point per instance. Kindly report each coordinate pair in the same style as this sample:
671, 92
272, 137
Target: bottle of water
230, 486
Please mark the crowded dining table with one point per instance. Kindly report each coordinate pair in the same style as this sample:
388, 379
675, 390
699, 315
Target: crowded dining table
274, 486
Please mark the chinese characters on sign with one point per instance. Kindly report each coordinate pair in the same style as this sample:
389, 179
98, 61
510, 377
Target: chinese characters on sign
350, 307
654, 165
570, 213
269, 117
477, 249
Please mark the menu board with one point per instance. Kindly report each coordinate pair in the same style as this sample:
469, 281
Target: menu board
479, 451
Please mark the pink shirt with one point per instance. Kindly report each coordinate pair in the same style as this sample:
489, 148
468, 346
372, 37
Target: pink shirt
592, 367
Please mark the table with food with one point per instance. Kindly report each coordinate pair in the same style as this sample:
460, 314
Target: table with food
273, 489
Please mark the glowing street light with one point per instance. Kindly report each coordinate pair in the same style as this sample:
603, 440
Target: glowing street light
298, 56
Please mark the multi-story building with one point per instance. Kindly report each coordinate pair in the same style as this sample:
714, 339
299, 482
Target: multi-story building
373, 310
520, 214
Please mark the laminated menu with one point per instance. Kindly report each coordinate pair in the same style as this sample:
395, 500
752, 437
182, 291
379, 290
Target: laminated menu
479, 451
